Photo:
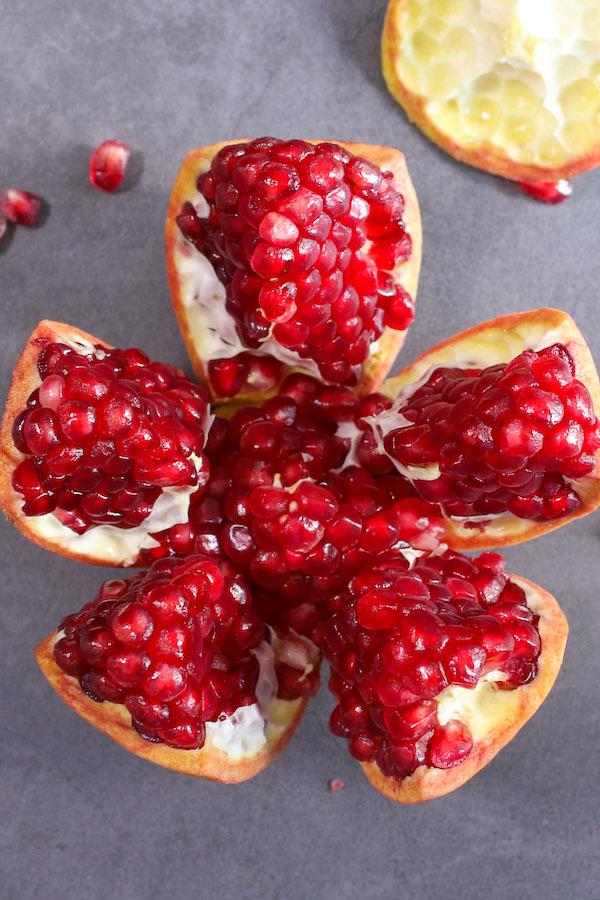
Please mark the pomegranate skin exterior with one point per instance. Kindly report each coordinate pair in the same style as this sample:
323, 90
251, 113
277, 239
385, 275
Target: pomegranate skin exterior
429, 783
380, 361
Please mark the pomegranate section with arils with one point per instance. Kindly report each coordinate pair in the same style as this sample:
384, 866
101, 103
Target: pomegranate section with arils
107, 165
508, 450
423, 662
275, 505
180, 657
105, 438
20, 207
549, 191
303, 251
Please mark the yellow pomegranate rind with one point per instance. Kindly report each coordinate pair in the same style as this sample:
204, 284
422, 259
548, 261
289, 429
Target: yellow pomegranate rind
498, 341
517, 706
114, 720
25, 380
198, 161
503, 118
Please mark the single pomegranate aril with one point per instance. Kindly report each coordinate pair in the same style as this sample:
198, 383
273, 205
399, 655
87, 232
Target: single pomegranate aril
3, 225
107, 165
20, 207
549, 191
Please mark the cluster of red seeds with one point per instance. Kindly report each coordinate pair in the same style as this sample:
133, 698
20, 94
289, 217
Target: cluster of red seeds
275, 506
403, 636
304, 238
173, 644
104, 433
508, 437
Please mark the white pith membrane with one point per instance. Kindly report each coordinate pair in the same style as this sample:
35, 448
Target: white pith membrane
489, 347
109, 543
520, 78
249, 728
211, 327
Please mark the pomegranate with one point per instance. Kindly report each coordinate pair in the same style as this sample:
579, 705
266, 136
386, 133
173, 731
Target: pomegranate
100, 446
176, 665
107, 165
20, 207
436, 668
549, 191
497, 425
292, 255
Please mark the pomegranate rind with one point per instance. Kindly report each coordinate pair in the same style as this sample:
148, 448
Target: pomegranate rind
518, 332
211, 763
25, 380
415, 106
379, 363
518, 707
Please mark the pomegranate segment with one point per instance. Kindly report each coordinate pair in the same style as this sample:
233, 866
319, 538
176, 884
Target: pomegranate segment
405, 639
107, 165
549, 191
481, 442
304, 237
104, 435
180, 646
20, 207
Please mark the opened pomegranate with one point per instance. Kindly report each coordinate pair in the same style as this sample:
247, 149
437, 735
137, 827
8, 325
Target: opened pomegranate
176, 665
436, 666
303, 253
508, 450
275, 505
100, 446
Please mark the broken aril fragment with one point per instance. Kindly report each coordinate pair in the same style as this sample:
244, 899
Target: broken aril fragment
435, 668
292, 255
99, 447
175, 665
498, 426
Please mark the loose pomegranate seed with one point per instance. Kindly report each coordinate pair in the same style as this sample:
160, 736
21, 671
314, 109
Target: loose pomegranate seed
336, 784
549, 191
398, 638
104, 433
20, 207
506, 438
286, 232
3, 224
107, 165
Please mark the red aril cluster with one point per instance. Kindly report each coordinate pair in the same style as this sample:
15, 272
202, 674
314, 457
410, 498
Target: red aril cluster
510, 437
402, 636
173, 644
276, 506
304, 238
104, 434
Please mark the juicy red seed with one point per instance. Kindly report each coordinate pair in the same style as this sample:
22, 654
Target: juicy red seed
20, 207
549, 191
86, 429
285, 230
450, 745
107, 165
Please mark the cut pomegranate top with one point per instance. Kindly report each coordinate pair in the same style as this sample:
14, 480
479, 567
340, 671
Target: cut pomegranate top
105, 434
304, 238
515, 437
403, 639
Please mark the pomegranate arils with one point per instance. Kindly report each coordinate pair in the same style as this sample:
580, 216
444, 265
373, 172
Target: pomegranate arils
104, 433
20, 207
286, 234
107, 165
171, 655
400, 637
549, 191
505, 438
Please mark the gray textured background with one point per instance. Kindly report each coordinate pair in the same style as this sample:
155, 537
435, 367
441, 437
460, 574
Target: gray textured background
85, 819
